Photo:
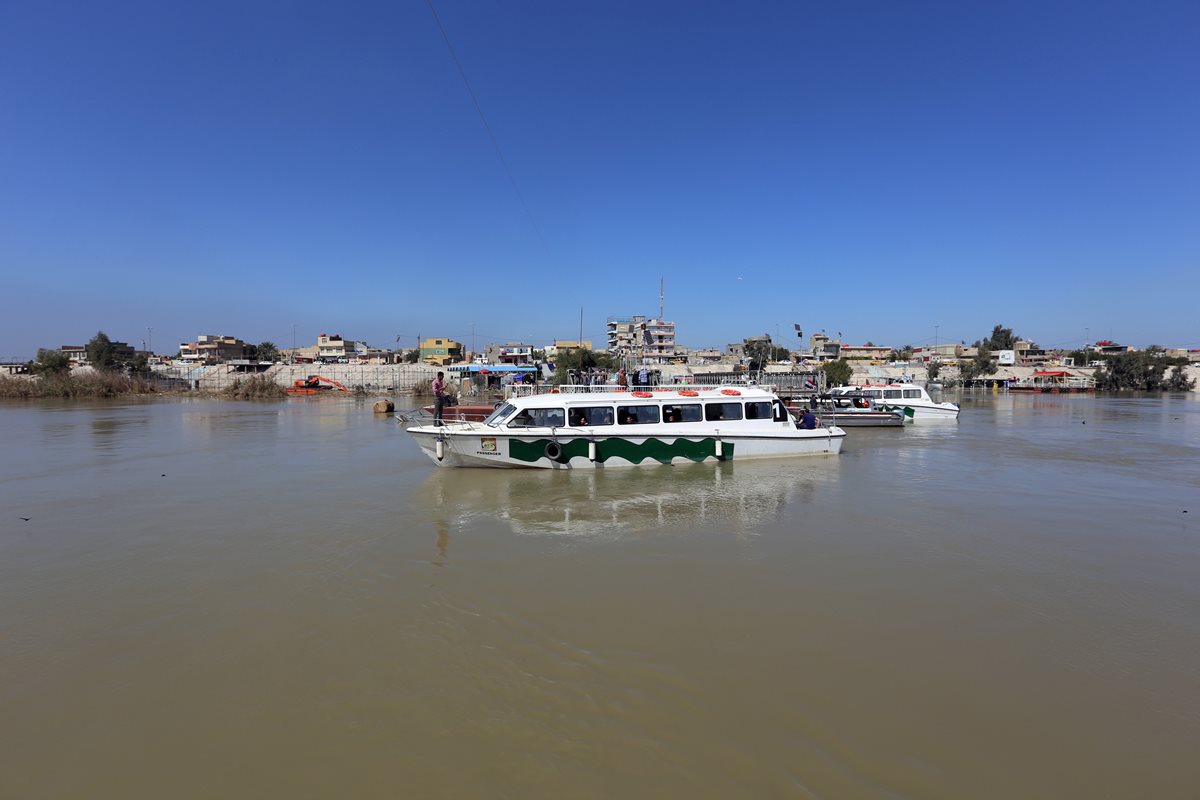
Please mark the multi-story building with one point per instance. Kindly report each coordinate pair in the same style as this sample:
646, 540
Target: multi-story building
566, 346
76, 354
945, 353
824, 348
641, 339
210, 349
625, 336
331, 349
658, 342
512, 353
865, 352
440, 352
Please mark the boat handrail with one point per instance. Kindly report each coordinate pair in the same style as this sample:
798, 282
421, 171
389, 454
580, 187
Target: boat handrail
519, 390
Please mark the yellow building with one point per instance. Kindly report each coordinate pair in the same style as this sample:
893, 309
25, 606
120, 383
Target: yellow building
440, 352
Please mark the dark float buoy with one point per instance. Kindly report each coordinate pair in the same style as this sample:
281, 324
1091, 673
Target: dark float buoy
384, 407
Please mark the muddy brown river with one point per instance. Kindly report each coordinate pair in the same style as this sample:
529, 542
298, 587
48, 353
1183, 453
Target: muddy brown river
249, 600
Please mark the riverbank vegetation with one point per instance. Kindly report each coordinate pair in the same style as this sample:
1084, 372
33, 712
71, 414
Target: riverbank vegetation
1145, 370
94, 383
256, 387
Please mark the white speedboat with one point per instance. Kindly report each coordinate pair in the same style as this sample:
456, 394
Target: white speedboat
609, 429
908, 398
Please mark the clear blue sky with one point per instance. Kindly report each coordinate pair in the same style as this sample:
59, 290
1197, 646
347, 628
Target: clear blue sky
887, 170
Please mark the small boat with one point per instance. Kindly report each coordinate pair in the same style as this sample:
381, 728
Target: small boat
909, 399
1054, 382
610, 429
848, 411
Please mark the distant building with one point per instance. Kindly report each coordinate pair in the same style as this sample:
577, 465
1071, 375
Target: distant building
945, 353
512, 353
823, 348
75, 353
210, 349
658, 342
704, 355
865, 352
332, 349
440, 352
566, 346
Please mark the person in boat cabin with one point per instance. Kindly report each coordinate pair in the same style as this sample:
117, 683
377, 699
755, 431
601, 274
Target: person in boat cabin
807, 421
439, 397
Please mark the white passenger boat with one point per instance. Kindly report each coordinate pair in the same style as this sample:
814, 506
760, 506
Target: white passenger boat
908, 398
609, 429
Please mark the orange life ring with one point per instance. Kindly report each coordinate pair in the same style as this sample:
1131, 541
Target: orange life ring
689, 393
642, 394
554, 391
731, 392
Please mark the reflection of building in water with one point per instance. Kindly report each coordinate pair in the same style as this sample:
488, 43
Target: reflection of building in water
617, 503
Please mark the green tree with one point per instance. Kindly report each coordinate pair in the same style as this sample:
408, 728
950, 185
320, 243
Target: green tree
933, 368
903, 354
50, 362
267, 351
100, 351
1143, 370
837, 373
138, 365
412, 356
1178, 381
1001, 339
978, 366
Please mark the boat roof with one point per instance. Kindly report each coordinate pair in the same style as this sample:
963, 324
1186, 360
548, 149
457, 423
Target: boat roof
490, 368
661, 395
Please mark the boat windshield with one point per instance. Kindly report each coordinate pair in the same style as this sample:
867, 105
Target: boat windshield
500, 413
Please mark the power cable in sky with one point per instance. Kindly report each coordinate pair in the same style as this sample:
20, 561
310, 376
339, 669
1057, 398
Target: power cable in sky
487, 126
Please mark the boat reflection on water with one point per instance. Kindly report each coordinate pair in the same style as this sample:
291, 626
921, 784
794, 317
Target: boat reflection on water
611, 504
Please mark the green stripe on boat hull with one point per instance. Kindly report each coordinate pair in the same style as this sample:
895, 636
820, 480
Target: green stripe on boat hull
652, 449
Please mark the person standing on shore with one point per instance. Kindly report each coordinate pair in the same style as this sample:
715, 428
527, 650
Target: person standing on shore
439, 398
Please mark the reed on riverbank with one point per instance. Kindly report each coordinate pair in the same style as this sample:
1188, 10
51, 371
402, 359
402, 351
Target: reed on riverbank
97, 383
256, 387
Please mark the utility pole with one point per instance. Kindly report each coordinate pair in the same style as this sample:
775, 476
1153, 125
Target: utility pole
150, 340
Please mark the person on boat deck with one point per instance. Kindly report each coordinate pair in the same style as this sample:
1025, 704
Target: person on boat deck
439, 397
807, 421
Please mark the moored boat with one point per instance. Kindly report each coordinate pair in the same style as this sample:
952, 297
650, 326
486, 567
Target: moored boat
1054, 382
909, 399
848, 411
608, 429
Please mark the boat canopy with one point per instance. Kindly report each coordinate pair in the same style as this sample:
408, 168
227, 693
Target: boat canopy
492, 369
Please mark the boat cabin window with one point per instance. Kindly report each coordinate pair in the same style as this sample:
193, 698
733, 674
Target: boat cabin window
589, 416
912, 393
637, 415
538, 418
717, 412
872, 393
758, 410
500, 413
683, 412
892, 394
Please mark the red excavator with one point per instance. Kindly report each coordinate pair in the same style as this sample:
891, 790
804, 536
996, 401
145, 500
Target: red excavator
315, 384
